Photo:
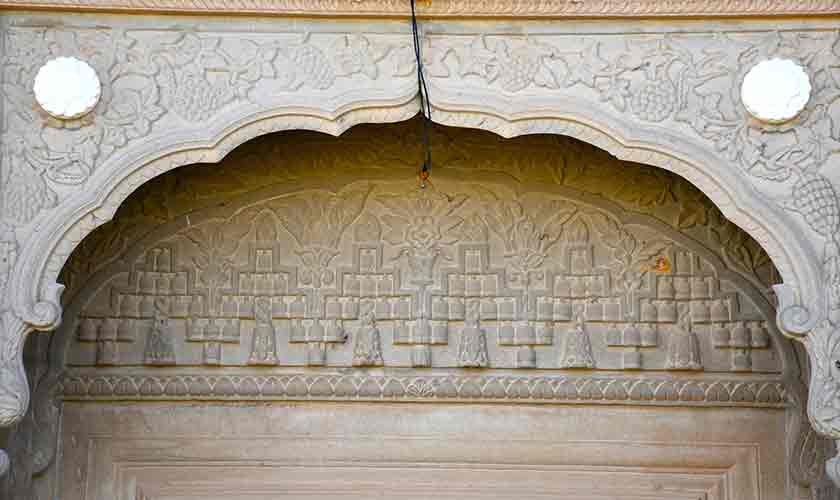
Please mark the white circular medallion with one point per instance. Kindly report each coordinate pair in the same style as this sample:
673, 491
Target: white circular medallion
776, 90
67, 88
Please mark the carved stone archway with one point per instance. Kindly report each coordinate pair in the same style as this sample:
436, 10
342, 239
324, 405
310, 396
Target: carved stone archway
664, 96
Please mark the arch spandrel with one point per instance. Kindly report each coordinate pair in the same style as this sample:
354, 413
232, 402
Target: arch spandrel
62, 179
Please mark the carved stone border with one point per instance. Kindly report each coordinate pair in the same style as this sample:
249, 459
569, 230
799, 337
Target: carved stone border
586, 95
449, 8
765, 392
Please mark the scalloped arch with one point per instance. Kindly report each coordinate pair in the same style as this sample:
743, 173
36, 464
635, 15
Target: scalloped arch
730, 189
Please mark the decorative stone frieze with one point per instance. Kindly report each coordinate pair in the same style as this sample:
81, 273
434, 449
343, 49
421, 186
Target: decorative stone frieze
572, 389
450, 8
186, 91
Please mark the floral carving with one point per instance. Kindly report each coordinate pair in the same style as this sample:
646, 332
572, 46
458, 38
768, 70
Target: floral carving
657, 81
633, 258
529, 236
317, 222
192, 75
567, 389
198, 77
213, 261
425, 225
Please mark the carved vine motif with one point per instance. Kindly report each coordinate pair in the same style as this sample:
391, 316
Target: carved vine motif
661, 79
36, 169
145, 76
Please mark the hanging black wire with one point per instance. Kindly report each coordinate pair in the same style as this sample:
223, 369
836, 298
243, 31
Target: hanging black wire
425, 105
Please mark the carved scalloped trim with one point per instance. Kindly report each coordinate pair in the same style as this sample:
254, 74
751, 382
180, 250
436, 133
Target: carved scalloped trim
64, 231
451, 8
788, 255
765, 393
64, 234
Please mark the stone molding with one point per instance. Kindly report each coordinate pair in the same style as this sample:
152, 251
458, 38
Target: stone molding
765, 392
161, 109
448, 8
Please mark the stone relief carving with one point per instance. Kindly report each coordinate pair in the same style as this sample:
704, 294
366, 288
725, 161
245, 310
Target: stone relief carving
683, 346
159, 350
676, 82
367, 350
263, 350
145, 76
562, 390
577, 350
472, 343
692, 85
486, 279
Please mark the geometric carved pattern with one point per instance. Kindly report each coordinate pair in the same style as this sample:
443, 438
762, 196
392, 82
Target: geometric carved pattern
536, 281
44, 167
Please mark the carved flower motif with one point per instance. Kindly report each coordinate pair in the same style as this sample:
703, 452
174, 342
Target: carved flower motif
423, 225
528, 236
423, 234
421, 388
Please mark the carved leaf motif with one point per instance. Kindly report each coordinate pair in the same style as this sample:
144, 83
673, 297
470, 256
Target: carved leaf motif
356, 54
741, 251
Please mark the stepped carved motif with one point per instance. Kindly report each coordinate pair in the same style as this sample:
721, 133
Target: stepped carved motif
382, 273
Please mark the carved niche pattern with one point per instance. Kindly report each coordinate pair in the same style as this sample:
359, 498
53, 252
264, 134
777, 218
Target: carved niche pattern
464, 275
